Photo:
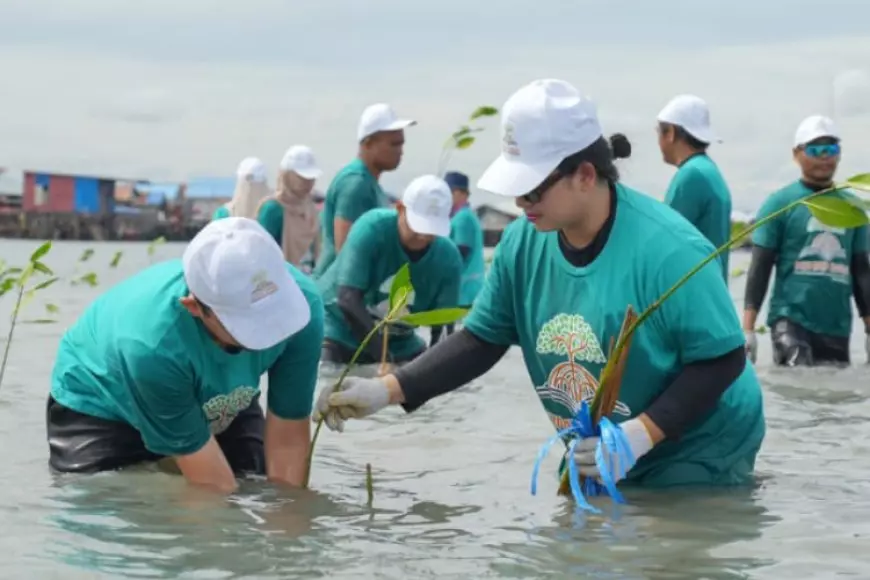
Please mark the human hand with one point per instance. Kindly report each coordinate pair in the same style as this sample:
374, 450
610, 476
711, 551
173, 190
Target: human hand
639, 442
359, 397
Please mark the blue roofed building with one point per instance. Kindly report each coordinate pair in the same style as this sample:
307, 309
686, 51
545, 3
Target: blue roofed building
205, 194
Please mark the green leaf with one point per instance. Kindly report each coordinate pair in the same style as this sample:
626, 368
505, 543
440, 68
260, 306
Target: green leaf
38, 321
761, 329
483, 111
90, 279
45, 284
51, 308
115, 259
152, 247
835, 211
7, 285
86, 255
40, 251
435, 317
860, 181
737, 272
461, 132
465, 142
402, 280
40, 267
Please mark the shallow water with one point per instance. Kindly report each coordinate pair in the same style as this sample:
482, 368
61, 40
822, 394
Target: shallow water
451, 488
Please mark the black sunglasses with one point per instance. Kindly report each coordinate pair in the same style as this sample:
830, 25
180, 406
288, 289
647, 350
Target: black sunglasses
537, 194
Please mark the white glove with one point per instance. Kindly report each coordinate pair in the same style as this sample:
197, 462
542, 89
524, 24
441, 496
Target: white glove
639, 441
751, 345
358, 397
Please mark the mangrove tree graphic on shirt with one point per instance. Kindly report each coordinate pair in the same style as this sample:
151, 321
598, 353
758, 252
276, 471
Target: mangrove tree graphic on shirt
823, 253
221, 410
569, 383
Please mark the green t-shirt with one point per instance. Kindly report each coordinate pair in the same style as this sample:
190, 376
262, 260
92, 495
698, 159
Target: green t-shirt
220, 213
699, 192
353, 192
369, 261
813, 283
465, 230
563, 318
136, 355
271, 217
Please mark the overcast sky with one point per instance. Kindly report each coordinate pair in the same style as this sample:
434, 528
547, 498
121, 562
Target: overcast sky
166, 90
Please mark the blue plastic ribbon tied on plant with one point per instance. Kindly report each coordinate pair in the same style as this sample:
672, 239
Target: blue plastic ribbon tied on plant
612, 440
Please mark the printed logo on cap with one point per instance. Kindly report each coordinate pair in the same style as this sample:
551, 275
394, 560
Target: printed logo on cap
509, 145
263, 287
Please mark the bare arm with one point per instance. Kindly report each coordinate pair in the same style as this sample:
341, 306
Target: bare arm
208, 468
340, 229
287, 444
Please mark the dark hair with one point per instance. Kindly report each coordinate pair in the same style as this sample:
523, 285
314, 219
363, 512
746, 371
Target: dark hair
681, 134
600, 155
205, 309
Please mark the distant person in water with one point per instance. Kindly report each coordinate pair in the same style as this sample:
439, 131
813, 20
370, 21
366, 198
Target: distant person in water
467, 233
356, 287
168, 363
697, 190
355, 189
291, 215
560, 281
251, 189
818, 268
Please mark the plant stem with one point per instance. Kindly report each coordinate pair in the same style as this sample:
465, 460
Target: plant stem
370, 485
11, 330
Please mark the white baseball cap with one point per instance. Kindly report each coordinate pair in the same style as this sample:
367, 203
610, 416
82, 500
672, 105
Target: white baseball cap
541, 124
815, 127
428, 202
252, 169
380, 117
234, 267
692, 114
300, 160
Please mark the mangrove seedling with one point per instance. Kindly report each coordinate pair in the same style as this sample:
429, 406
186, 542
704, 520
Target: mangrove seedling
17, 280
463, 137
837, 206
400, 291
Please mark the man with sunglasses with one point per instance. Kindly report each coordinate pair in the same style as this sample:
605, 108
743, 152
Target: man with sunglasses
167, 365
697, 191
818, 268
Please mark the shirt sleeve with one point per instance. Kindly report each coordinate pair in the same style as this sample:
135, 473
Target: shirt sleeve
353, 197
169, 416
448, 295
462, 233
293, 377
492, 317
684, 196
770, 234
271, 217
699, 321
861, 244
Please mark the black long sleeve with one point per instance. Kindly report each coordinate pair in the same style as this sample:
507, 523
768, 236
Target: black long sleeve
352, 304
860, 270
455, 361
758, 277
695, 392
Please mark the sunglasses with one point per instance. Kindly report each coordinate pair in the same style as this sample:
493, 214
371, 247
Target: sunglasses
827, 150
537, 194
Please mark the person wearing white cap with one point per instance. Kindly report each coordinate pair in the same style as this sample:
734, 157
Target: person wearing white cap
355, 189
291, 215
560, 281
818, 268
251, 189
697, 191
355, 288
167, 364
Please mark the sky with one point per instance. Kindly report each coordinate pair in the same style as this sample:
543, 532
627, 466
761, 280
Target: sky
168, 90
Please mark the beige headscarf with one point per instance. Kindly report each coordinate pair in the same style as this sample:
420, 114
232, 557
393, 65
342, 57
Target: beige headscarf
251, 189
300, 231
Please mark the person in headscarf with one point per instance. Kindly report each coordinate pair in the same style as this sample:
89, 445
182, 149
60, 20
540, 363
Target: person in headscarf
291, 215
251, 189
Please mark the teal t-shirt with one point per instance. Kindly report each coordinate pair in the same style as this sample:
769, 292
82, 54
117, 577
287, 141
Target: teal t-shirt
370, 259
563, 318
136, 355
220, 213
465, 231
353, 192
699, 192
813, 283
271, 217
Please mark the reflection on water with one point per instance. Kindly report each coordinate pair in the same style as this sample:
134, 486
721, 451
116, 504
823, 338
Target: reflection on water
451, 491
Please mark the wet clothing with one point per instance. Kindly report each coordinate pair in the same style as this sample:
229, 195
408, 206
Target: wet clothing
467, 233
699, 192
563, 305
136, 356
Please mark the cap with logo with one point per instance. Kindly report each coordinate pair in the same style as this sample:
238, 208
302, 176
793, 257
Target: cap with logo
252, 169
380, 117
234, 267
428, 202
692, 115
541, 124
815, 127
300, 160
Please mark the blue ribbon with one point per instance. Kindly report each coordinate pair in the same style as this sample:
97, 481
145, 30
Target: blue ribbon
611, 439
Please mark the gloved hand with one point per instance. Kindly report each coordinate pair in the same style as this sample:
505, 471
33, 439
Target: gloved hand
751, 345
639, 441
358, 397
